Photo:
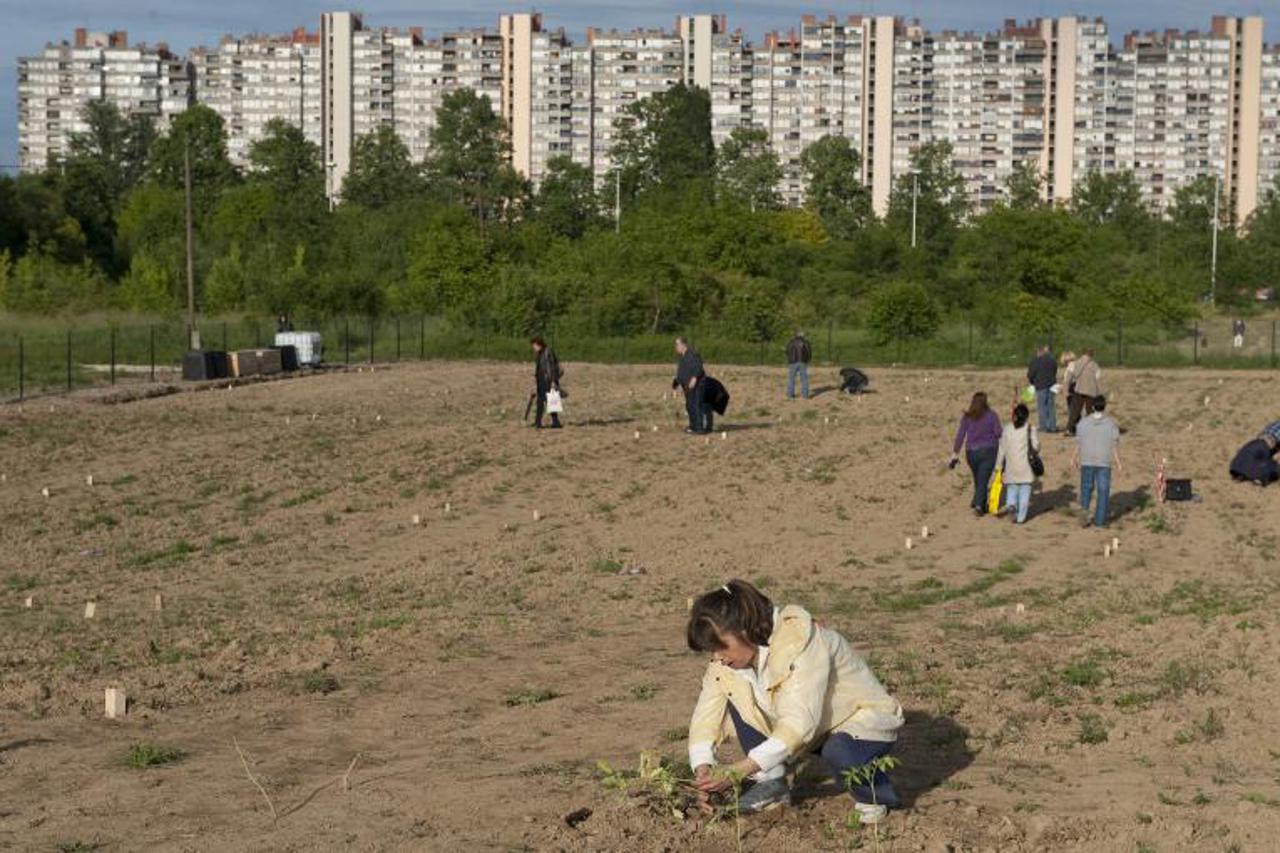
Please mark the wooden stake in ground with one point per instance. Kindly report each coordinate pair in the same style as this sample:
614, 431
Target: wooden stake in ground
90, 609
159, 602
255, 782
117, 704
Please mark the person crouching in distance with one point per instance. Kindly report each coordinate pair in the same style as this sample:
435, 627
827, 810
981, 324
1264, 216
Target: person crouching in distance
789, 687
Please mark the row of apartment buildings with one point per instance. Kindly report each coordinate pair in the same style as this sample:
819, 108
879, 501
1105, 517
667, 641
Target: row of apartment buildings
1168, 105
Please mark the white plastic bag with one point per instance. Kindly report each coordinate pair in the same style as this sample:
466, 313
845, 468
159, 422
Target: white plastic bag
554, 404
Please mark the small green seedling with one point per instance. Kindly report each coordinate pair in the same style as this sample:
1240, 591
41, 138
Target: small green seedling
865, 775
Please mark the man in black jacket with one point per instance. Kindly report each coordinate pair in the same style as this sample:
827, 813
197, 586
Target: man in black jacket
689, 379
799, 354
1042, 373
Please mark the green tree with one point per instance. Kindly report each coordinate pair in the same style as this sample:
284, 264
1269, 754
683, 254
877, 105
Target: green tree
202, 132
449, 270
936, 191
566, 200
1112, 199
381, 171
102, 165
287, 160
470, 148
753, 309
1025, 186
748, 170
835, 192
902, 311
664, 140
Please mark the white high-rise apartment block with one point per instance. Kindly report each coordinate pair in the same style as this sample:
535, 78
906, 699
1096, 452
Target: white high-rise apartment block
55, 86
1054, 93
250, 81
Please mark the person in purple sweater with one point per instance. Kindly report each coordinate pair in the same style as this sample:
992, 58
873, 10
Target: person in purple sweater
980, 429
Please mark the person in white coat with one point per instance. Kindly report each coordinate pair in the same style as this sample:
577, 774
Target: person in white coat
1014, 454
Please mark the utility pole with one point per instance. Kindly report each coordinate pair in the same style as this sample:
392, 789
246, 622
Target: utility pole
617, 201
915, 195
1213, 258
193, 335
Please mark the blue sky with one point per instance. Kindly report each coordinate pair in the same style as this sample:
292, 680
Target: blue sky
184, 23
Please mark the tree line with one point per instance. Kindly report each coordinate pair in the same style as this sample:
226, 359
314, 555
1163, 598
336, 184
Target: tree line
704, 239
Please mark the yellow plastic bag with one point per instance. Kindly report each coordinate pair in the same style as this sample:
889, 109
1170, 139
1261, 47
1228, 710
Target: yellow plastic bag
993, 496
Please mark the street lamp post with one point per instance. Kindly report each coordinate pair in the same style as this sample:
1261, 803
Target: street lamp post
915, 195
1213, 256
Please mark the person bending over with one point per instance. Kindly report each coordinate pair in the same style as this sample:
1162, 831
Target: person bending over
1256, 461
788, 687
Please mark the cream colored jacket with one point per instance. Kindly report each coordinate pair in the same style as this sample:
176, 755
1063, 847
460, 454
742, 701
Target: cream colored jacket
1013, 453
817, 684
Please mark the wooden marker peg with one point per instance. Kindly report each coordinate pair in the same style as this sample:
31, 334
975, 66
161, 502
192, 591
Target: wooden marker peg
90, 609
117, 704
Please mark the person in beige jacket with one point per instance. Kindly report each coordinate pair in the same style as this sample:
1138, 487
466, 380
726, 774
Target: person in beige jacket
1014, 454
786, 686
1085, 385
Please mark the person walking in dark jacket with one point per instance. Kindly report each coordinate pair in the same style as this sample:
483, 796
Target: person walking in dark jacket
689, 379
980, 430
1042, 373
799, 354
546, 376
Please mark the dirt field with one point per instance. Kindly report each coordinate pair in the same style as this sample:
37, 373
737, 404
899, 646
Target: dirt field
480, 663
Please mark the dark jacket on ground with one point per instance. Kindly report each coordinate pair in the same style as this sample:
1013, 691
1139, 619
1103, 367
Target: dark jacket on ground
799, 351
1042, 372
715, 395
1256, 462
689, 366
546, 370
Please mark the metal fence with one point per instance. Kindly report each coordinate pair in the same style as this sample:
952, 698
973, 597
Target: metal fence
40, 357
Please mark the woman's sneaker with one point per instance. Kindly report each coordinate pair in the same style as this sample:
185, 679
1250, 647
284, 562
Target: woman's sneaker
870, 813
765, 795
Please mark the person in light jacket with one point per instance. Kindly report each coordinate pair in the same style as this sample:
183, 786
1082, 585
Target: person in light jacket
1014, 458
1086, 379
786, 686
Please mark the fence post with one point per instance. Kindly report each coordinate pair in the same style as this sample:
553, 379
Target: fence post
1119, 343
68, 359
971, 340
224, 335
113, 355
397, 338
346, 336
22, 363
1195, 346
371, 340
153, 352
422, 337
1273, 344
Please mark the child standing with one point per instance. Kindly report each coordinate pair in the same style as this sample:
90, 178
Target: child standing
1016, 444
1097, 447
788, 686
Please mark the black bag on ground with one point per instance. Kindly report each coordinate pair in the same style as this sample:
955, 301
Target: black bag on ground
1177, 490
853, 380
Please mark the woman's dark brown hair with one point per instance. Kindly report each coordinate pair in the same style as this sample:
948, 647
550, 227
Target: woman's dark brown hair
538, 342
735, 608
977, 407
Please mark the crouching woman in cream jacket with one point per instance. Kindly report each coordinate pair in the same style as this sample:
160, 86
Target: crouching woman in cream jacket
786, 687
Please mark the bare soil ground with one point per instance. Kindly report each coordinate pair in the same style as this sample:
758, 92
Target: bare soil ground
480, 663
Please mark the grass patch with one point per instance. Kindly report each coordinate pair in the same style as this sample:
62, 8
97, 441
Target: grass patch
530, 696
1202, 600
605, 566
931, 591
644, 692
1179, 677
142, 755
1084, 673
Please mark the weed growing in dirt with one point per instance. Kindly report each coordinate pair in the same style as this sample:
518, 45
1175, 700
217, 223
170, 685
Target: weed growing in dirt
644, 692
1093, 729
606, 566
1179, 677
1209, 728
530, 696
77, 846
676, 734
320, 682
1084, 673
1159, 523
144, 755
1202, 600
20, 583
